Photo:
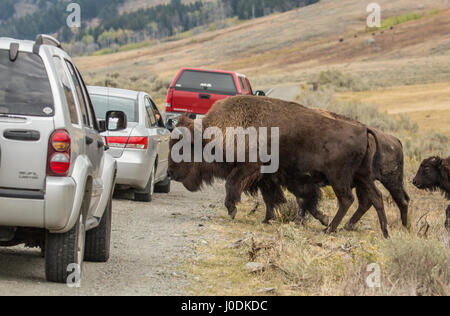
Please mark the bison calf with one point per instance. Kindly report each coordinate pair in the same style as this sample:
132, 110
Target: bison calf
434, 175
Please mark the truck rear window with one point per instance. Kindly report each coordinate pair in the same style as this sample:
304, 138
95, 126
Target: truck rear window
211, 82
24, 86
103, 104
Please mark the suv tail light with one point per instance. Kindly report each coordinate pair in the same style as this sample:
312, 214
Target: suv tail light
59, 154
127, 142
169, 98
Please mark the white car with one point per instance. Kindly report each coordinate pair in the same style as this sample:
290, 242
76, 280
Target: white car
142, 150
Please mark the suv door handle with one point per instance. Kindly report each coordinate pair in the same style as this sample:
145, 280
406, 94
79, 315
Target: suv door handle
205, 96
24, 135
89, 140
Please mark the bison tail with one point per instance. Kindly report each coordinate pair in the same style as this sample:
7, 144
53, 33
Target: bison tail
377, 158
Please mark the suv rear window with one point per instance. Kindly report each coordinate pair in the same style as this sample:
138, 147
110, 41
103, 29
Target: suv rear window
24, 86
211, 82
103, 104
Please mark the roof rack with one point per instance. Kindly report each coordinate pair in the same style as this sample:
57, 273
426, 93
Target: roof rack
43, 39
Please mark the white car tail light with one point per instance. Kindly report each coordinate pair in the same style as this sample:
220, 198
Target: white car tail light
127, 142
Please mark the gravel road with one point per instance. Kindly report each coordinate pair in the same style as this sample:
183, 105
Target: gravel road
149, 244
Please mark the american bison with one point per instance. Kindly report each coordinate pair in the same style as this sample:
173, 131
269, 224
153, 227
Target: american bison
390, 175
434, 175
314, 151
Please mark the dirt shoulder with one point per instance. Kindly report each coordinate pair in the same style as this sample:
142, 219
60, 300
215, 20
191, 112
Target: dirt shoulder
151, 242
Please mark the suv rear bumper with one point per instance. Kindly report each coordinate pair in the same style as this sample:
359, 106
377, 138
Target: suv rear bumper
51, 211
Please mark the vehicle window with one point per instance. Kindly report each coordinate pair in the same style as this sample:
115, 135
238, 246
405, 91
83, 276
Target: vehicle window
104, 103
65, 83
150, 112
210, 82
79, 92
243, 85
90, 110
249, 86
24, 86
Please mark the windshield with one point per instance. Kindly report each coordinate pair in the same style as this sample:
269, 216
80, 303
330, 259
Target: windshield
103, 104
24, 86
210, 82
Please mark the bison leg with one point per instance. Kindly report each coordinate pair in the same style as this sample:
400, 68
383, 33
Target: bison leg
273, 196
308, 200
237, 182
401, 198
369, 189
447, 221
363, 207
346, 199
301, 209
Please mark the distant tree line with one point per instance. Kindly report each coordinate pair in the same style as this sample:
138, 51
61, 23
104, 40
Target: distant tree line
50, 17
114, 30
7, 9
247, 9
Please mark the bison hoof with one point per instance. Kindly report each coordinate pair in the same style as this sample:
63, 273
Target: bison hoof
329, 231
266, 221
325, 221
232, 213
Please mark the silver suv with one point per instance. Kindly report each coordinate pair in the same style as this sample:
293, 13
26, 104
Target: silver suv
56, 181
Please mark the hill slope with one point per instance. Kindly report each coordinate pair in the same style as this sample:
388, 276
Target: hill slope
293, 47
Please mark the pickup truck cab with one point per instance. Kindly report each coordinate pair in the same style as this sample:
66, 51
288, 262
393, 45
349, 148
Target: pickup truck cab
195, 91
56, 181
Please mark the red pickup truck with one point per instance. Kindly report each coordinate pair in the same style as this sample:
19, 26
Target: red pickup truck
196, 90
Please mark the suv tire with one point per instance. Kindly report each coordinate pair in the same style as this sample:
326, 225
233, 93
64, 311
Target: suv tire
147, 194
63, 250
163, 187
98, 240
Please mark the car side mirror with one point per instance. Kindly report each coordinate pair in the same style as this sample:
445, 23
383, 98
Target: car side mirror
260, 93
116, 121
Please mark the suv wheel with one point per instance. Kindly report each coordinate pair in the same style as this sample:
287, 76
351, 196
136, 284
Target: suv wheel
147, 194
163, 187
64, 253
98, 240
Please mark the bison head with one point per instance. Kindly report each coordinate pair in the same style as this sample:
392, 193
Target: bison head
428, 176
187, 171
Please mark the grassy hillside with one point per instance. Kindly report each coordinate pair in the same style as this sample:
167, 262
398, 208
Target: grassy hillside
294, 47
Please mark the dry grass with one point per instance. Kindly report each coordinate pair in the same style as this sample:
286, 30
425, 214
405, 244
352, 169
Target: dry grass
427, 105
301, 260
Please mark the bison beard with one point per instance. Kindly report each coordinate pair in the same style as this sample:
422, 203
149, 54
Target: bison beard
434, 175
315, 150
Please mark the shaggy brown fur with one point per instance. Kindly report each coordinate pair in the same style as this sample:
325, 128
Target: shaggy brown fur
434, 175
391, 171
314, 150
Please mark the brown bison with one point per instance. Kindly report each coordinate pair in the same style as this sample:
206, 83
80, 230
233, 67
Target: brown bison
390, 175
433, 175
314, 151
